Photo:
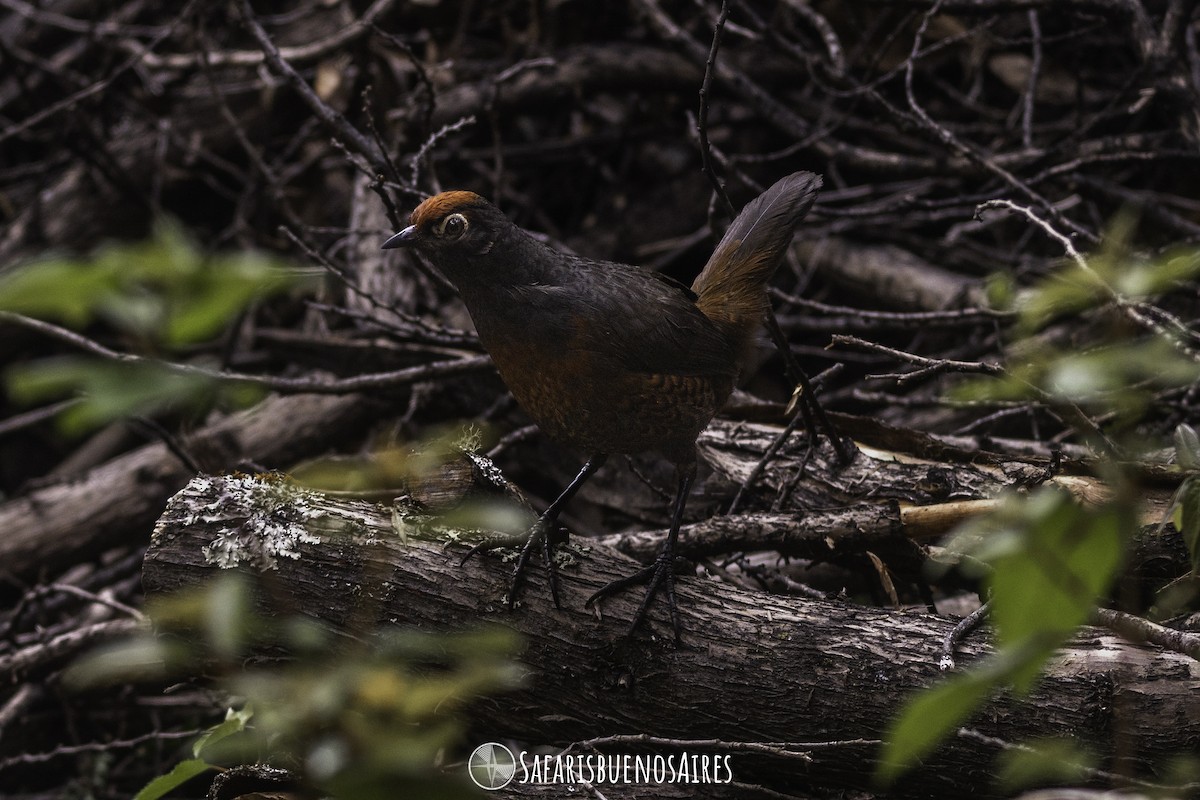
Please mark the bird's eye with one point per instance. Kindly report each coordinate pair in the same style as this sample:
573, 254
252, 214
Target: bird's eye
452, 227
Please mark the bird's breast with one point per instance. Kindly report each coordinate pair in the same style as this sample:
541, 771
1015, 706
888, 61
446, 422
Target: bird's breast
587, 400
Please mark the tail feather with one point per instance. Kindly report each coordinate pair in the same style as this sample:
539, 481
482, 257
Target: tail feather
731, 289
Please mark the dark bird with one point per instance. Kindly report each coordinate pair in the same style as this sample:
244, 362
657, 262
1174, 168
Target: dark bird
606, 357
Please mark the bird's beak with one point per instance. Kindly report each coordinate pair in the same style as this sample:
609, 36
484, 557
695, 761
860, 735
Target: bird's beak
405, 238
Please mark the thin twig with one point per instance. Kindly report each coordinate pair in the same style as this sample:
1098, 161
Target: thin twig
313, 385
702, 114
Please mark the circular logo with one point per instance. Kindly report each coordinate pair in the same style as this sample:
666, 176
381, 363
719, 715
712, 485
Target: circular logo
492, 766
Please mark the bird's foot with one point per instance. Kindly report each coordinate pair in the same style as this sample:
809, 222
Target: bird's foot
659, 574
544, 536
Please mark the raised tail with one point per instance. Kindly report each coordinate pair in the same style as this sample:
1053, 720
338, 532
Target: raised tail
731, 290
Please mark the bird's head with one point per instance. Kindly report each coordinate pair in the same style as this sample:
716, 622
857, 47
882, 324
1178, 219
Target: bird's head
452, 226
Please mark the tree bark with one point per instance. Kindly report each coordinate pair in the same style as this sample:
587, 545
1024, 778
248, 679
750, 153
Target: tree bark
64, 523
752, 667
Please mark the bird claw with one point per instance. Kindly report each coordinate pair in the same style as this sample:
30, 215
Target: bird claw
538, 537
494, 543
661, 572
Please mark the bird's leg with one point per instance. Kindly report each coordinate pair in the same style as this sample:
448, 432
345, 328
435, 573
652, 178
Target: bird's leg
809, 405
540, 535
662, 571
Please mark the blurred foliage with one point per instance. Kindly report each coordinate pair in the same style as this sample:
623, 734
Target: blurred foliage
1042, 762
1113, 274
1117, 378
117, 390
434, 475
1051, 560
158, 296
1046, 560
1185, 507
392, 466
353, 720
201, 760
1184, 514
163, 291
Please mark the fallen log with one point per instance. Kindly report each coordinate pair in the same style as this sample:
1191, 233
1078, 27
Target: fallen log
752, 667
115, 503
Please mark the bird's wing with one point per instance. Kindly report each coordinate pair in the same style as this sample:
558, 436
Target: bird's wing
647, 322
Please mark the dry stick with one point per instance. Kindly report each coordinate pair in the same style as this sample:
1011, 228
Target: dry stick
73, 641
175, 447
1138, 629
1123, 8
810, 407
928, 366
782, 749
1130, 309
775, 112
14, 707
934, 366
36, 416
721, 159
97, 747
1035, 69
1151, 204
1010, 409
422, 75
512, 437
905, 319
420, 332
350, 285
829, 37
98, 86
373, 128
379, 160
959, 632
785, 119
1100, 776
967, 150
702, 114
490, 105
374, 380
235, 124
92, 597
293, 53
433, 139
761, 465
92, 28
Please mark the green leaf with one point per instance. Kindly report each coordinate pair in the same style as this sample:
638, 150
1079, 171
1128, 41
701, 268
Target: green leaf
1066, 291
1155, 277
161, 290
1187, 447
161, 786
142, 657
1186, 518
1051, 558
235, 722
926, 720
934, 712
113, 390
1067, 557
58, 290
203, 307
1000, 288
